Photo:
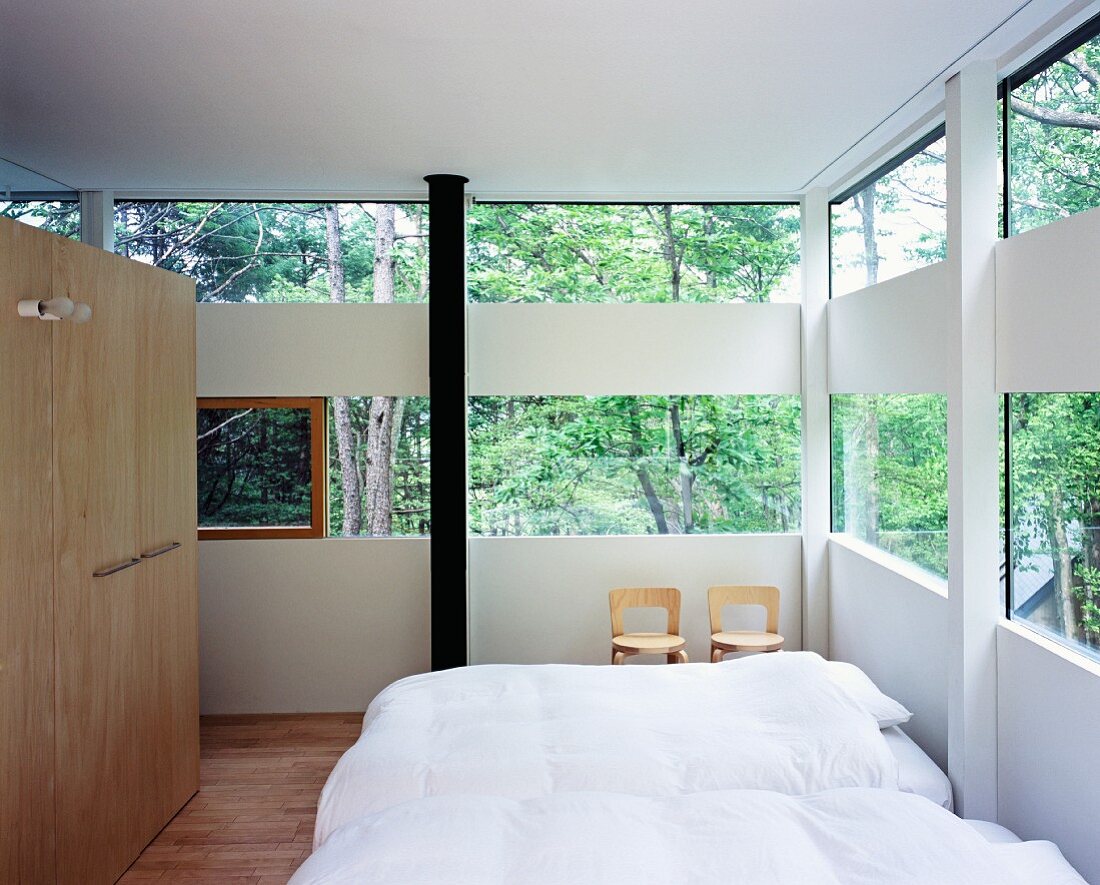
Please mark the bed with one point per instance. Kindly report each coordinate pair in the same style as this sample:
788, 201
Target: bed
857, 836
791, 722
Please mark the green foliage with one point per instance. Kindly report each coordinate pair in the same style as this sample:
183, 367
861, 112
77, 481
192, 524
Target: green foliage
581, 465
890, 474
1056, 168
62, 218
410, 473
254, 467
270, 252
632, 253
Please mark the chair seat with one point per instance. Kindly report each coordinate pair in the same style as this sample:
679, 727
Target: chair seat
648, 643
746, 640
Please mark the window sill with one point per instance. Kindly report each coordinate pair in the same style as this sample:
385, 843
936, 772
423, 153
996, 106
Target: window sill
907, 570
1067, 654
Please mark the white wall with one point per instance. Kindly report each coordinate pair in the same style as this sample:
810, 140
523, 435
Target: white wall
312, 349
290, 626
541, 600
891, 619
566, 349
1048, 307
889, 338
311, 625
1049, 711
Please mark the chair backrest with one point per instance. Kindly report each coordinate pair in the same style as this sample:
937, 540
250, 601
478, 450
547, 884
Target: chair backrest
728, 594
623, 598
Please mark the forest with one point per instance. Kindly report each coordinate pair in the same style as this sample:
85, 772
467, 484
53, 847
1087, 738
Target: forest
676, 464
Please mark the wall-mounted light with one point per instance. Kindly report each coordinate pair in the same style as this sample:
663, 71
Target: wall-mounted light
55, 309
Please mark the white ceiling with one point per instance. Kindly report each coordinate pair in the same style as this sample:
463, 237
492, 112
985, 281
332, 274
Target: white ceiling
522, 96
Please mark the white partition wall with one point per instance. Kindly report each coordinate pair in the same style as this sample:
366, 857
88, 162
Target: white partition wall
544, 599
305, 625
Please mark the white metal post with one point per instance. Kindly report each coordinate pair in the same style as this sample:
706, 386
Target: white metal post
97, 219
816, 480
972, 438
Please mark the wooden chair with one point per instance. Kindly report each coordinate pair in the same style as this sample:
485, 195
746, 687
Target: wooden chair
723, 641
623, 644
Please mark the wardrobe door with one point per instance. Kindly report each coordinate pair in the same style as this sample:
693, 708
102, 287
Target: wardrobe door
102, 681
26, 562
167, 531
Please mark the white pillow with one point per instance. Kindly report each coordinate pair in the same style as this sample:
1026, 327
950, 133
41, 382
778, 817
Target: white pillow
864, 692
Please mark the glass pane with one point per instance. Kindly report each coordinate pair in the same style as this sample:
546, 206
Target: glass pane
61, 217
1054, 449
890, 474
283, 252
1055, 140
254, 467
633, 253
634, 465
894, 225
379, 473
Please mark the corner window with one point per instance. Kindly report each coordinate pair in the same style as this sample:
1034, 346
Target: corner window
890, 474
60, 217
892, 222
261, 467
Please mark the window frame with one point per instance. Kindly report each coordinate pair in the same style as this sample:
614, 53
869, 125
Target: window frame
318, 479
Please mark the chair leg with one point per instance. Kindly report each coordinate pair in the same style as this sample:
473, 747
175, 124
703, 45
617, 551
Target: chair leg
618, 657
683, 656
716, 655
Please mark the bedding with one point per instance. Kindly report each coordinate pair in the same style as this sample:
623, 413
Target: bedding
771, 722
854, 836
917, 773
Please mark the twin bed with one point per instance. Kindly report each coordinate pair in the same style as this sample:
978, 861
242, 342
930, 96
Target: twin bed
778, 768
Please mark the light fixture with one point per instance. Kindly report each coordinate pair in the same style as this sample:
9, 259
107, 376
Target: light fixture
55, 309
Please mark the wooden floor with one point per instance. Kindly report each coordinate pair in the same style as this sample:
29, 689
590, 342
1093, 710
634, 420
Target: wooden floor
252, 819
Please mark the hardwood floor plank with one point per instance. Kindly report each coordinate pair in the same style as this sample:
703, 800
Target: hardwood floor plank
252, 819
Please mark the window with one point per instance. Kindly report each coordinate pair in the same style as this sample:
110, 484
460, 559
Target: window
892, 222
1053, 124
261, 467
576, 253
283, 252
61, 217
890, 474
634, 465
1054, 505
379, 453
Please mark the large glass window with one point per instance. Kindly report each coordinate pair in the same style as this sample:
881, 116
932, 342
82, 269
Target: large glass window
633, 253
890, 474
61, 217
283, 252
379, 454
1054, 505
634, 465
893, 223
1054, 134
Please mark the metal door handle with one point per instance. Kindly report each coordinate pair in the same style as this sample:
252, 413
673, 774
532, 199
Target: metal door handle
115, 569
160, 551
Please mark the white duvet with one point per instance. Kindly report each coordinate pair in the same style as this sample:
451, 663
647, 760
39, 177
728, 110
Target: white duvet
851, 836
769, 722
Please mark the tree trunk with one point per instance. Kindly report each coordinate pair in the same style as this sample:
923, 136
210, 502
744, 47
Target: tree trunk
380, 426
1063, 567
872, 512
637, 450
341, 409
864, 202
686, 477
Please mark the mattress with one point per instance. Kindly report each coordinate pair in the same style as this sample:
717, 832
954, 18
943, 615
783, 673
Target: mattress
770, 722
917, 773
857, 836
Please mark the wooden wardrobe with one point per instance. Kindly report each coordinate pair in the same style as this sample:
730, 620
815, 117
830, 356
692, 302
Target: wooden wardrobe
98, 666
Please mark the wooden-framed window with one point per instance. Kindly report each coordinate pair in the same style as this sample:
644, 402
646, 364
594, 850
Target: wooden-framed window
261, 467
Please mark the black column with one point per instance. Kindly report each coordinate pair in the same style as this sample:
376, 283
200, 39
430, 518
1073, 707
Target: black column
447, 386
